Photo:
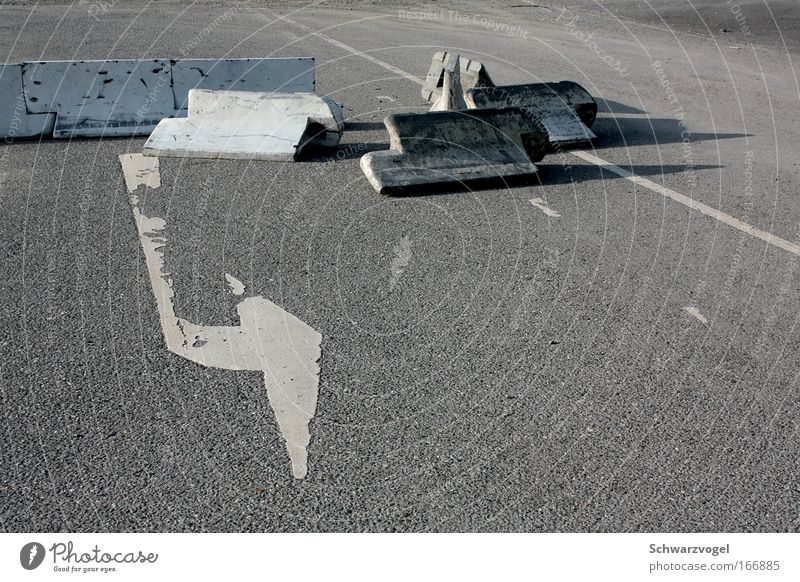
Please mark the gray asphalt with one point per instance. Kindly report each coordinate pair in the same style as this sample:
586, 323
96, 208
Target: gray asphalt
769, 23
525, 372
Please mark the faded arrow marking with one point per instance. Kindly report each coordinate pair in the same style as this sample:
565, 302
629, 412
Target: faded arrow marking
694, 312
140, 170
542, 205
269, 339
237, 287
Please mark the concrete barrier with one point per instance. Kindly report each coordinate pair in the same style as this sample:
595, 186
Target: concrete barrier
566, 109
248, 125
130, 97
15, 121
472, 74
451, 97
456, 150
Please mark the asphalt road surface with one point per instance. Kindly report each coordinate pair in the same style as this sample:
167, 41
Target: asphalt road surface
617, 355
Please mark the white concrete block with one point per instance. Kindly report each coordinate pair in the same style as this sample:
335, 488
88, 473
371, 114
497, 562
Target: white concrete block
248, 125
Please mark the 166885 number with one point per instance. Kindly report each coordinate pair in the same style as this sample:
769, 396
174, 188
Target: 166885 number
751, 565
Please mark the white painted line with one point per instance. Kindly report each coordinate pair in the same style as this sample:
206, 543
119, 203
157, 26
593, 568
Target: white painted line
237, 287
542, 205
285, 349
357, 52
677, 197
370, 58
139, 170
691, 203
400, 261
384, 97
694, 312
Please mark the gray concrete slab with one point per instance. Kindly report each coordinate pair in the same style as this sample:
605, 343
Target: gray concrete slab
445, 150
129, 97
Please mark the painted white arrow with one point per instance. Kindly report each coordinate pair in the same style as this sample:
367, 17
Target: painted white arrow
268, 338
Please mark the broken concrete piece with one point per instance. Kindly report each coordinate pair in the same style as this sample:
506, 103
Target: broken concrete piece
471, 73
456, 149
129, 97
566, 109
451, 97
248, 125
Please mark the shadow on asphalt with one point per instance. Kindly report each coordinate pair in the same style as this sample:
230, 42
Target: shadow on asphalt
557, 174
614, 132
344, 151
364, 126
609, 106
548, 175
